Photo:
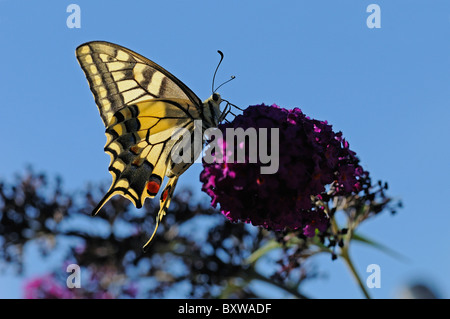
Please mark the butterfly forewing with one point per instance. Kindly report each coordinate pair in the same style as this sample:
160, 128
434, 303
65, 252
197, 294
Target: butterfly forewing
118, 76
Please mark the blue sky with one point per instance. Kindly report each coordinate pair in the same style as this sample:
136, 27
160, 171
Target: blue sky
386, 89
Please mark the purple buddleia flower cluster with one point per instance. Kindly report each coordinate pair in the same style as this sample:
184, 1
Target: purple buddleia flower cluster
314, 163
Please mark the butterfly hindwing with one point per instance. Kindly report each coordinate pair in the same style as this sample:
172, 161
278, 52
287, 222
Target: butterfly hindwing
166, 198
140, 139
118, 77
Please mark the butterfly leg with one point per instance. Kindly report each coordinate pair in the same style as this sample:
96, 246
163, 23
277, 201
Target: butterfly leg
165, 199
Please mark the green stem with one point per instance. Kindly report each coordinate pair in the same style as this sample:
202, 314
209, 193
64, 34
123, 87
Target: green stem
345, 255
353, 271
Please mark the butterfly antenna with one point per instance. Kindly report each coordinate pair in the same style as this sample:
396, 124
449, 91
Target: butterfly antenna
232, 78
214, 76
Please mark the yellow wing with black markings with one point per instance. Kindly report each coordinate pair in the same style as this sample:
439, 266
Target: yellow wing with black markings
139, 141
118, 76
142, 105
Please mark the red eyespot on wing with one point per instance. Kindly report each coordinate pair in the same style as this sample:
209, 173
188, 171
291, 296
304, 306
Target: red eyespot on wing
165, 194
153, 187
153, 184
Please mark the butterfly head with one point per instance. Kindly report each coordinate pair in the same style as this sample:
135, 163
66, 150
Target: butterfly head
216, 98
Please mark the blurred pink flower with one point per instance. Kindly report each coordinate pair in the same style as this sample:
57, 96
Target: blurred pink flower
46, 287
